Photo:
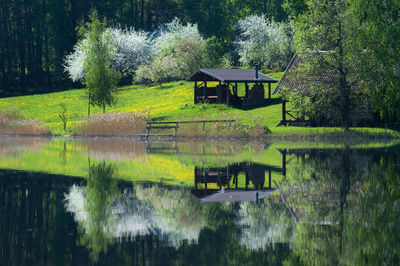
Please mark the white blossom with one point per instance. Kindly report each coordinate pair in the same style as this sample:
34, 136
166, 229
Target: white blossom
132, 49
129, 50
265, 42
170, 35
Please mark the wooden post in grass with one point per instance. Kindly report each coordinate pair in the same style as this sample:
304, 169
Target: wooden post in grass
269, 176
236, 89
283, 110
205, 87
219, 93
227, 95
269, 91
284, 163
88, 111
195, 91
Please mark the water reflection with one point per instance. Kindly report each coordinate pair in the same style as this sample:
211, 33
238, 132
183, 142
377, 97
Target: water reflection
322, 206
13, 146
223, 184
92, 208
345, 202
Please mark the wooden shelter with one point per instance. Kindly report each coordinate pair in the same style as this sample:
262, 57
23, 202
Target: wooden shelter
226, 90
294, 80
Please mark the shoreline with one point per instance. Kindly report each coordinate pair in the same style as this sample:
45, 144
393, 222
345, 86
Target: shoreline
328, 136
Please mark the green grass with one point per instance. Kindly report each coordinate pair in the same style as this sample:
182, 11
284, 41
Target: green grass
169, 101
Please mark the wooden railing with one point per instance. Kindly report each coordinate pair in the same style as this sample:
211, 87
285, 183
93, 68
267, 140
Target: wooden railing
175, 125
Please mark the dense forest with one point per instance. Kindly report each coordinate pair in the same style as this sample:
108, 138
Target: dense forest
44, 46
36, 35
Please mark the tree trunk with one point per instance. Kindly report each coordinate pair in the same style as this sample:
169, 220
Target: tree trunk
344, 87
104, 107
88, 112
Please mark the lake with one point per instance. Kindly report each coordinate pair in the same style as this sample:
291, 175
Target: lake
68, 201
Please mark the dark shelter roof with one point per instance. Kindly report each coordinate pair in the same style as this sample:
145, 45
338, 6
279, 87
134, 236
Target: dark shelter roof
231, 75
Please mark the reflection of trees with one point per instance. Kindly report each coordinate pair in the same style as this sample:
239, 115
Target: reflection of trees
93, 208
345, 214
179, 216
372, 229
264, 224
33, 222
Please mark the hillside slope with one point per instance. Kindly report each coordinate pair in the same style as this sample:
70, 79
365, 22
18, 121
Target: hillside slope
163, 102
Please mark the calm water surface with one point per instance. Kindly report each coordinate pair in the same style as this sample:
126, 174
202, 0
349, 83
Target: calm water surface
123, 202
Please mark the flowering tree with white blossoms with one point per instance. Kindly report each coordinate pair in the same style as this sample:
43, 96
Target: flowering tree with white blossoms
265, 42
171, 34
178, 53
132, 49
129, 49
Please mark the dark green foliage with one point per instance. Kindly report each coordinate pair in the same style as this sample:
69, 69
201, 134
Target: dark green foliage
100, 79
378, 23
214, 50
294, 8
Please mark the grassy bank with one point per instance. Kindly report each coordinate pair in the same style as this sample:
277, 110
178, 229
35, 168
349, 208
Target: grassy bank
170, 101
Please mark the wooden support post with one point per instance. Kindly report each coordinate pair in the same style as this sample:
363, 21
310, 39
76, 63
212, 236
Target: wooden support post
219, 93
246, 89
227, 172
236, 179
283, 110
269, 91
176, 146
195, 179
227, 95
176, 129
205, 87
269, 176
147, 130
195, 91
236, 89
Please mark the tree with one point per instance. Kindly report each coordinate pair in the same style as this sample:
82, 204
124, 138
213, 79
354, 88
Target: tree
379, 24
266, 42
214, 52
325, 35
99, 78
129, 49
178, 53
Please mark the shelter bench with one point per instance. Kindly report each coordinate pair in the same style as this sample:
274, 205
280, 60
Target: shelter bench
175, 125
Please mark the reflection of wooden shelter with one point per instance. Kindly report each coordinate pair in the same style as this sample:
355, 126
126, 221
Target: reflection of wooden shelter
227, 89
214, 180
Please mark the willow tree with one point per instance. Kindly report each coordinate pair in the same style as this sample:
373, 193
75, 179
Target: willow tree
99, 77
